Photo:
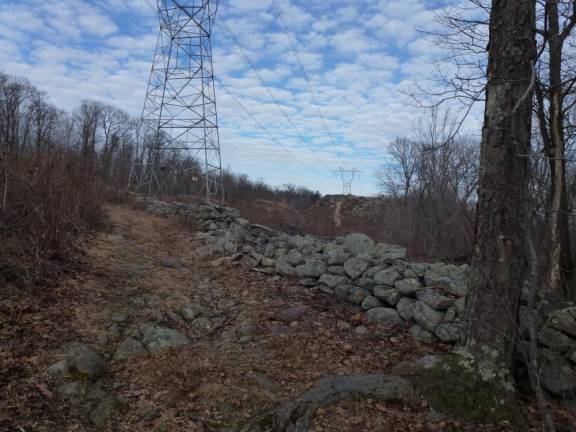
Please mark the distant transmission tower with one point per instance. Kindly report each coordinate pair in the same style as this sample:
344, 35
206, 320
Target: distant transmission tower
179, 124
347, 176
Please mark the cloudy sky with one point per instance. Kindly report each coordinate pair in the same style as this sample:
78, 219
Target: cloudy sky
360, 56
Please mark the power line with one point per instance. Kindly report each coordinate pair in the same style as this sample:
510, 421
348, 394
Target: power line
290, 38
260, 126
278, 104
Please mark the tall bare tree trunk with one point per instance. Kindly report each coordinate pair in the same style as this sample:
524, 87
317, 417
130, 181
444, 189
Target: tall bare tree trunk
499, 261
560, 264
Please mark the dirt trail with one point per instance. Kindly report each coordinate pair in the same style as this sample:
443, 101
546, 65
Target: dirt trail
257, 340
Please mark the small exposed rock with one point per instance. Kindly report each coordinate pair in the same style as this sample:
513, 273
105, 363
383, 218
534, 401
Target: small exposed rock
341, 291
157, 338
84, 360
427, 317
357, 295
128, 348
421, 334
332, 281
295, 257
289, 314
311, 268
448, 333
308, 282
118, 317
354, 267
337, 257
564, 320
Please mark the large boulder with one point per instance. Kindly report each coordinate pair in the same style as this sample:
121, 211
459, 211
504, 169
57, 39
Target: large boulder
434, 299
354, 267
383, 315
312, 267
556, 340
389, 252
359, 244
556, 374
387, 277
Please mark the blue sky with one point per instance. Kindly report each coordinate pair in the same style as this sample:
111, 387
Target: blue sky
359, 55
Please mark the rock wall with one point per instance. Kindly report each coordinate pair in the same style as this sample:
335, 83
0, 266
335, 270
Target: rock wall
375, 276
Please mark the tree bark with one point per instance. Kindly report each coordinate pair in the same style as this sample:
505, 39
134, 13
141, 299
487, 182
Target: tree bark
499, 260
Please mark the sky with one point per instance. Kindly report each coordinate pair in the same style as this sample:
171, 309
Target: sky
362, 58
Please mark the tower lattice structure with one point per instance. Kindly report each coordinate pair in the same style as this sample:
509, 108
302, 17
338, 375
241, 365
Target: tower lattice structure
347, 177
179, 123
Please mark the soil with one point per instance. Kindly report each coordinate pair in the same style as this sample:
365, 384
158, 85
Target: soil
268, 340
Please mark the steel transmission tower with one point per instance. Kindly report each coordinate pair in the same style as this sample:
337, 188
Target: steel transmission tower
179, 121
347, 176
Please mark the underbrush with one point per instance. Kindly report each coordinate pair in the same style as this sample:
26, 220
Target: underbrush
46, 203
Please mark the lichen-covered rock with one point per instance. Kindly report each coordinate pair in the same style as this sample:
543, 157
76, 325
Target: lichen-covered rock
332, 281
405, 308
448, 333
427, 317
434, 299
451, 278
387, 277
556, 340
365, 283
383, 315
295, 257
357, 295
359, 244
312, 267
370, 302
421, 334
129, 347
370, 272
563, 320
407, 287
387, 294
354, 267
283, 266
336, 270
157, 338
85, 360
556, 374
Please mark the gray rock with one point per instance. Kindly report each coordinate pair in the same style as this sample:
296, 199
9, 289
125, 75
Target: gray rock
387, 277
370, 302
313, 267
341, 291
267, 262
289, 314
118, 317
85, 361
389, 252
103, 411
190, 312
451, 315
202, 324
572, 356
295, 257
246, 330
434, 299
451, 278
365, 283
357, 295
422, 335
337, 257
308, 282
74, 392
157, 338
128, 348
563, 320
557, 376
283, 266
370, 272
407, 287
336, 270
332, 281
383, 315
359, 244
354, 267
325, 289
269, 250
427, 317
405, 308
59, 370
387, 294
448, 333
460, 305
555, 340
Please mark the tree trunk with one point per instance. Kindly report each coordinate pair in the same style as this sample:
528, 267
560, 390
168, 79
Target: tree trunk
499, 261
560, 265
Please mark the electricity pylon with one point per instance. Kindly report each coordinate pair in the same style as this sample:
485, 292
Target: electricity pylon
179, 124
347, 177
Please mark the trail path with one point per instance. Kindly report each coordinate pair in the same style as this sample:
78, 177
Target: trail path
337, 214
253, 339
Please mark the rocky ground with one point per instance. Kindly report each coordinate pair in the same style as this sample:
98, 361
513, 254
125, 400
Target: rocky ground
160, 334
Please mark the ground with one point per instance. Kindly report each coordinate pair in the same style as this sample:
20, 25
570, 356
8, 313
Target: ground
263, 339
